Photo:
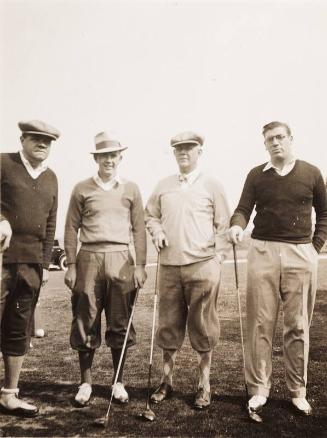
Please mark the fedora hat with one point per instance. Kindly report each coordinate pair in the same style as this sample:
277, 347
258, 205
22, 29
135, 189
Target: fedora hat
107, 142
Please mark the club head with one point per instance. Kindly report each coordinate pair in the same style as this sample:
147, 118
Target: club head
101, 422
148, 414
253, 416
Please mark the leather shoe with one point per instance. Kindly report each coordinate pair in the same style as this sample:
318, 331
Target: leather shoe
302, 407
202, 399
161, 393
120, 394
257, 402
18, 407
83, 395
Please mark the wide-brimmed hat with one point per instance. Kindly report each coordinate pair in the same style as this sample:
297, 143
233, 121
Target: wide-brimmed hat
187, 137
37, 127
107, 142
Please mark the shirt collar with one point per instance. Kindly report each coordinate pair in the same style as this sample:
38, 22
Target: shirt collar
284, 171
33, 171
107, 185
190, 177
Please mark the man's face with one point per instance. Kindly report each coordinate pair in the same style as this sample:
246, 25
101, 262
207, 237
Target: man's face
36, 148
108, 163
279, 144
187, 156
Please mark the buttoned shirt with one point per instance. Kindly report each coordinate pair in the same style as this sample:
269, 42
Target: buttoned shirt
34, 172
282, 172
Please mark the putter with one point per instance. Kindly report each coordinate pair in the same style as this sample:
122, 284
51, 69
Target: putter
253, 415
104, 421
148, 413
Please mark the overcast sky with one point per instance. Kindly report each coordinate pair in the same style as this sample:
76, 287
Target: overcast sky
150, 69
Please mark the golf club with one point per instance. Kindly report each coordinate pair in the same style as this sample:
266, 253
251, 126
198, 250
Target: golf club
103, 422
148, 413
253, 416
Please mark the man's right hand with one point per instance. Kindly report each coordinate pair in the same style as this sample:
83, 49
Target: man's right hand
236, 234
160, 240
70, 276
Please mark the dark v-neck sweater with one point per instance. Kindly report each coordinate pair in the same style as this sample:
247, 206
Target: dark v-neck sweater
284, 205
30, 206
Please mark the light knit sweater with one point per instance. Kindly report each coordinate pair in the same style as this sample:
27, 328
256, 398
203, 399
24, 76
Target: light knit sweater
105, 219
194, 219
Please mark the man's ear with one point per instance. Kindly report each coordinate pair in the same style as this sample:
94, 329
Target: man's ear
200, 151
95, 157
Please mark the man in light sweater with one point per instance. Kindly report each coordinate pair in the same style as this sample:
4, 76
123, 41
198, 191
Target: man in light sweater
29, 198
105, 210
282, 262
187, 216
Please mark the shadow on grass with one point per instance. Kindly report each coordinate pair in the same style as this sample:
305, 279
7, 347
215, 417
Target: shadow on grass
225, 417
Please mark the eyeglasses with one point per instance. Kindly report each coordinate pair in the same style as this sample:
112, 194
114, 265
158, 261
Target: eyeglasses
279, 138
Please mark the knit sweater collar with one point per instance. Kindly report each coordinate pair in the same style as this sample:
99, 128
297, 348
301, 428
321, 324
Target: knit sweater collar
34, 172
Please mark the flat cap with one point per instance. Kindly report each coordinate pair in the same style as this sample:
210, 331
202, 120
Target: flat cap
187, 137
39, 128
107, 142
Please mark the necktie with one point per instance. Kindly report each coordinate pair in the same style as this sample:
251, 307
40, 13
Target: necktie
182, 178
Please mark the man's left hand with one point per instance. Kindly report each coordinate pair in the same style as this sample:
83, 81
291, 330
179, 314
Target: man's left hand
45, 277
5, 234
139, 276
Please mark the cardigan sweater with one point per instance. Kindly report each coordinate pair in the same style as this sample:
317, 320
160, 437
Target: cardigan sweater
30, 206
105, 219
284, 205
194, 218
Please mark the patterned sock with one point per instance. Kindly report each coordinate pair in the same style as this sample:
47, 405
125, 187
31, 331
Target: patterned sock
168, 360
204, 361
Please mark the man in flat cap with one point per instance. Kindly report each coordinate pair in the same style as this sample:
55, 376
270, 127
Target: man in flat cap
29, 192
187, 216
105, 209
282, 262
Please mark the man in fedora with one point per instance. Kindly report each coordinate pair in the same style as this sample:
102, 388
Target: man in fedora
104, 209
29, 193
188, 216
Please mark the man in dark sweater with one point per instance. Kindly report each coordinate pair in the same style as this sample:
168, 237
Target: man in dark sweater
282, 262
29, 193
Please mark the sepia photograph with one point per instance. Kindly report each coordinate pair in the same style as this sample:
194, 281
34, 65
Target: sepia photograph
163, 219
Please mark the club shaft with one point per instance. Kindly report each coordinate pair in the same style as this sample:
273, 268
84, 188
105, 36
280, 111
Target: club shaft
121, 355
153, 326
240, 314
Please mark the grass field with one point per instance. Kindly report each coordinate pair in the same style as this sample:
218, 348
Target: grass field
50, 378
